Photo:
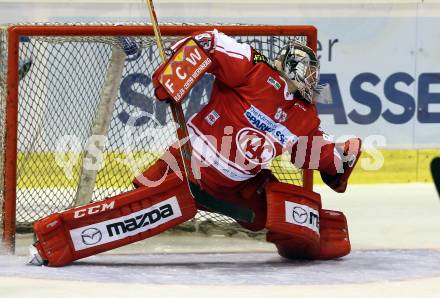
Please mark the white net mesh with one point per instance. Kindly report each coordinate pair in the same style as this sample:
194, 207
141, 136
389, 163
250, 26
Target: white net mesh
59, 93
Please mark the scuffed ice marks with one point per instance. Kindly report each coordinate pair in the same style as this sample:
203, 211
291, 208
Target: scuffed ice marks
236, 268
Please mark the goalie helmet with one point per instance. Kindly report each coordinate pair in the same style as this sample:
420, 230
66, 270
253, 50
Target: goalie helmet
299, 63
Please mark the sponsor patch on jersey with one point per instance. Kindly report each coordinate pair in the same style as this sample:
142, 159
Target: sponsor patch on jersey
262, 122
212, 117
125, 226
302, 215
274, 83
280, 115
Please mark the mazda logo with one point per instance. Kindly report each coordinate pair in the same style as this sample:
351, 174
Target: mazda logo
299, 215
91, 236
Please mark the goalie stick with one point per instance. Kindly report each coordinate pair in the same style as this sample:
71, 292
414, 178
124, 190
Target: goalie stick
202, 197
435, 171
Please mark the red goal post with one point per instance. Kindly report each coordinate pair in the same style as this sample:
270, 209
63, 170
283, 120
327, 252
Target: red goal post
17, 162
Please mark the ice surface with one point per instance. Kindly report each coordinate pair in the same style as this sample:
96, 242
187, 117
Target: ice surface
235, 268
394, 230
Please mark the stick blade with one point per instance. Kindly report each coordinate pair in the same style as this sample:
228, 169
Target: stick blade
435, 171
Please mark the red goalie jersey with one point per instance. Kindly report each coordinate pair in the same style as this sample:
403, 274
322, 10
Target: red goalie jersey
252, 117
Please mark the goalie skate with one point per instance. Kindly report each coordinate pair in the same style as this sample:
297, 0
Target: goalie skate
35, 258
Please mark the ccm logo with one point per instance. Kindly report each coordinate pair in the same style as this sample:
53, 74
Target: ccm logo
94, 209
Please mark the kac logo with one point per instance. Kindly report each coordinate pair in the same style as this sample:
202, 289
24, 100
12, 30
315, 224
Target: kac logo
91, 236
256, 147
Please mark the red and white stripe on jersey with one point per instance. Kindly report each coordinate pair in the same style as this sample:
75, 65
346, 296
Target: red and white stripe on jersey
231, 47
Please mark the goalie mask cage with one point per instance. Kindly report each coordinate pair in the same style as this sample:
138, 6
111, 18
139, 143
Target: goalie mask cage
77, 94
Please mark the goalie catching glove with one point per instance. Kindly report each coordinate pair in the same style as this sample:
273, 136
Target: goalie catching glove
347, 155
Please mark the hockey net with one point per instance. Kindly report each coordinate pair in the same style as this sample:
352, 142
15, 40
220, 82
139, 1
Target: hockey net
81, 94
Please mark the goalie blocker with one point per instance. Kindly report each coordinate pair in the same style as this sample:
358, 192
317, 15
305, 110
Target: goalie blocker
84, 231
175, 78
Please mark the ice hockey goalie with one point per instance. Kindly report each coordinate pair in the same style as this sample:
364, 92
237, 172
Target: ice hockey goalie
257, 111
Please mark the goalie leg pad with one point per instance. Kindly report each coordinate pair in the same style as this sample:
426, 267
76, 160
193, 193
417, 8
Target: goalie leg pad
101, 226
293, 220
334, 242
249, 195
253, 195
169, 163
